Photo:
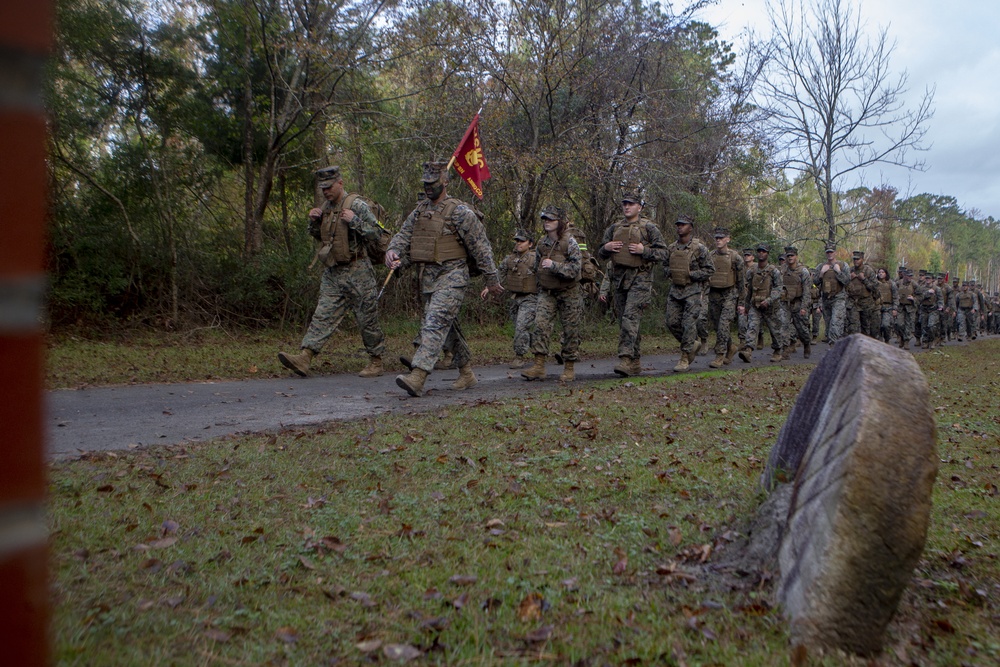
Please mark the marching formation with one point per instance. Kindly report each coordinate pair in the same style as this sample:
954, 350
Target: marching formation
445, 240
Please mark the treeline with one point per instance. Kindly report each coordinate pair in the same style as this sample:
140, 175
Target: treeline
184, 134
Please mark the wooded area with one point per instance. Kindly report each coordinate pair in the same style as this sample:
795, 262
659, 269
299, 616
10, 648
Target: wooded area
184, 134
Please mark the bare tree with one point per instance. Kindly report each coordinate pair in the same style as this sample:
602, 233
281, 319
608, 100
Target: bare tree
836, 108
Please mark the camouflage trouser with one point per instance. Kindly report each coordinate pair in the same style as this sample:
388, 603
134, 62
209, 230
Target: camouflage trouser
930, 323
741, 328
629, 304
886, 325
703, 318
862, 317
948, 324
835, 312
522, 313
440, 331
905, 321
966, 319
721, 311
796, 324
817, 316
567, 304
341, 287
682, 320
773, 318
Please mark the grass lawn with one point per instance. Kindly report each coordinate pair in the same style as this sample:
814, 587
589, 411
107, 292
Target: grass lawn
577, 528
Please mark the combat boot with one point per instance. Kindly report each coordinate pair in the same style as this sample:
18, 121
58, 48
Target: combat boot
807, 349
684, 363
746, 354
297, 363
718, 362
730, 353
518, 362
446, 362
624, 366
569, 373
786, 352
407, 363
412, 382
635, 366
374, 368
466, 378
776, 357
537, 370
703, 348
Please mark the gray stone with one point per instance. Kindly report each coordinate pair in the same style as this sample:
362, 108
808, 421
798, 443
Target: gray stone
861, 440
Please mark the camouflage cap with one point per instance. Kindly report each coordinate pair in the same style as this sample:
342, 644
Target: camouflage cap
830, 248
747, 251
553, 213
327, 176
720, 232
858, 254
632, 197
763, 247
521, 235
684, 219
433, 171
791, 250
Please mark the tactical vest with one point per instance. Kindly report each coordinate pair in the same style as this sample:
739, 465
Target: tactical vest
333, 233
793, 284
929, 299
856, 287
724, 276
885, 292
627, 234
905, 291
831, 286
428, 244
520, 278
680, 266
546, 277
965, 300
760, 285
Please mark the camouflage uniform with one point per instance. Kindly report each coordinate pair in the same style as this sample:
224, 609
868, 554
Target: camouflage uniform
684, 301
862, 313
816, 312
630, 279
350, 284
968, 308
889, 307
443, 285
741, 318
797, 298
906, 291
758, 291
523, 304
833, 296
725, 286
931, 306
564, 302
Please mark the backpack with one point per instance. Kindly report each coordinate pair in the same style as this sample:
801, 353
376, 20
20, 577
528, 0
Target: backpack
589, 267
374, 249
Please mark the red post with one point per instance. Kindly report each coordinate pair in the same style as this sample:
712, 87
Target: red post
25, 40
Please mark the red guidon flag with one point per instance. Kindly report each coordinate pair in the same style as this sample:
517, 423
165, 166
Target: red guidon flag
470, 163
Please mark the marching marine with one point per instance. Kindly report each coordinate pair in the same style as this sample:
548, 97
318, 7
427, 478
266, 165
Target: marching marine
831, 277
797, 301
764, 288
724, 289
689, 267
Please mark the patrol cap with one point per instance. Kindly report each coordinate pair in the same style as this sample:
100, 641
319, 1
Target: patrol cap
747, 251
763, 247
684, 219
433, 170
551, 212
791, 250
327, 176
830, 248
521, 235
858, 254
720, 232
632, 197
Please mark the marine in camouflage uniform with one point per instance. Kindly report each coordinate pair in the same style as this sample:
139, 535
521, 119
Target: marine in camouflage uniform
441, 236
631, 246
724, 290
931, 300
888, 298
741, 316
348, 282
906, 290
862, 312
517, 276
831, 277
968, 307
816, 312
689, 266
796, 301
762, 304
558, 262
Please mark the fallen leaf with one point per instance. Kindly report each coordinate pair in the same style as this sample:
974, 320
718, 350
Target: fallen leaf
463, 579
622, 565
540, 635
163, 543
287, 634
217, 635
369, 645
530, 608
400, 652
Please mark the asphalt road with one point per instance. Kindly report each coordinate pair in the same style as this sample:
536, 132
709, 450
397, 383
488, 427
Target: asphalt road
125, 417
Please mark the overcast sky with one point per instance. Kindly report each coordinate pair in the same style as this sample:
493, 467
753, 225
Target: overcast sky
951, 46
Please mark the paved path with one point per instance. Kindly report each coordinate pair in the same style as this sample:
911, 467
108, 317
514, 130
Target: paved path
122, 417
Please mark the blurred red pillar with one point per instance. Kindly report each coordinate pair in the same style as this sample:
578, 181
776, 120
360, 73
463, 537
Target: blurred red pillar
25, 41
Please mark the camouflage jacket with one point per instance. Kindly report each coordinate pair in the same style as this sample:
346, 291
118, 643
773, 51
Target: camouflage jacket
654, 250
804, 276
700, 268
